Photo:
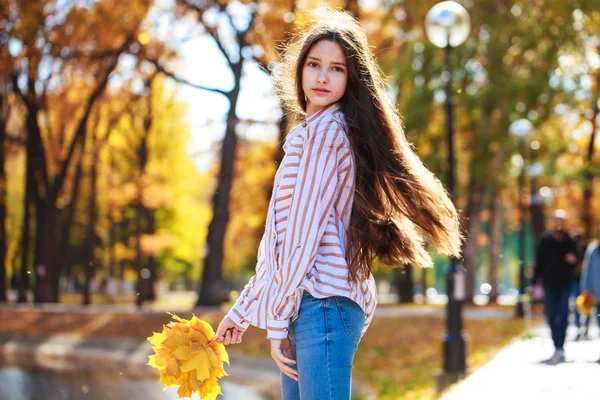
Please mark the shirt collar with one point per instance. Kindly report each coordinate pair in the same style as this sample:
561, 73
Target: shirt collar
330, 109
323, 112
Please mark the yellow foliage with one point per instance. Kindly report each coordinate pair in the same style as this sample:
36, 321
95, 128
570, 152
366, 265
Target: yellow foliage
586, 302
144, 38
186, 355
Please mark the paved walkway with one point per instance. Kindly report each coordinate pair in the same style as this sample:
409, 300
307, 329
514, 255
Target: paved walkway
522, 371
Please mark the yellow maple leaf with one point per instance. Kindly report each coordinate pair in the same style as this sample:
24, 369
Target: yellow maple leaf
187, 356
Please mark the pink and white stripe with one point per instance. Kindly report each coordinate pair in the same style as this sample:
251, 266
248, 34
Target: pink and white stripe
304, 244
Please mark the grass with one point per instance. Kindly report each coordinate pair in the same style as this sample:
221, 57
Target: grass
397, 358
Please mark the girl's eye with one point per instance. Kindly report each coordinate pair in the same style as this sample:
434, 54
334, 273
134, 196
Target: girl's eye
312, 64
338, 69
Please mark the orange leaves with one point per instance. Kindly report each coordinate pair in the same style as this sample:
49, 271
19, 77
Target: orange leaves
186, 356
155, 243
586, 303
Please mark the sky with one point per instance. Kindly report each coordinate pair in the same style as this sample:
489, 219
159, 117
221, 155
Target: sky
202, 63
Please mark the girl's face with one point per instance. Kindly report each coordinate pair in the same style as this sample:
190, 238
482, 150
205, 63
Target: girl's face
324, 75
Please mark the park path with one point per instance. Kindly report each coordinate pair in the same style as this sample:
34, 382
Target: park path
522, 370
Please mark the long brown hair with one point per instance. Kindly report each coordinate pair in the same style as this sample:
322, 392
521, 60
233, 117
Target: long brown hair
399, 205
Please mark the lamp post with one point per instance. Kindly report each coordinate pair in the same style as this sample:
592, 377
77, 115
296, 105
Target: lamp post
447, 25
521, 129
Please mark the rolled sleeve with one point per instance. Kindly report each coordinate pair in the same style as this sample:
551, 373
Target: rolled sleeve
236, 315
277, 329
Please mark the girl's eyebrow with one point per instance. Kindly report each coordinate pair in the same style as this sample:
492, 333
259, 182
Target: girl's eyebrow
333, 62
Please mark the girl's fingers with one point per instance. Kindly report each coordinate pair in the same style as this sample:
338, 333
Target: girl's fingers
278, 356
220, 333
227, 339
286, 360
224, 326
292, 373
235, 334
239, 336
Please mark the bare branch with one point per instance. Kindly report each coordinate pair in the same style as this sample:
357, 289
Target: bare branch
213, 33
178, 79
80, 131
73, 54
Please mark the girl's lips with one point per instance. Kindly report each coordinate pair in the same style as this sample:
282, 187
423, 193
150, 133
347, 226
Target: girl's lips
321, 92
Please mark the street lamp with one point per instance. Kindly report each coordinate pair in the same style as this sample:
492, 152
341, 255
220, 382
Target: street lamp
521, 129
447, 25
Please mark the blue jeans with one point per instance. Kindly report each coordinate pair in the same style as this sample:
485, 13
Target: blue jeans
324, 340
556, 306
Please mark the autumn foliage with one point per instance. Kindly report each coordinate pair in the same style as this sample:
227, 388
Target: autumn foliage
188, 356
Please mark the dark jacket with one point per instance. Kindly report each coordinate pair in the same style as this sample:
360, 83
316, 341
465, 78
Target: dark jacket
550, 264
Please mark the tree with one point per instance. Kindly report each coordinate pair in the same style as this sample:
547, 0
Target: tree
502, 73
67, 47
211, 288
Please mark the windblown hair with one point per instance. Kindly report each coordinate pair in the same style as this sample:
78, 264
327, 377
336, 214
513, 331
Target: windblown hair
399, 205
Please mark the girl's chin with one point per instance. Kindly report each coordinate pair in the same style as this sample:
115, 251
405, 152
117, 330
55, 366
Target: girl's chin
320, 102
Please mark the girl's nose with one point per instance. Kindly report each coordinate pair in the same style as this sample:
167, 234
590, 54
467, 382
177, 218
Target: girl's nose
322, 78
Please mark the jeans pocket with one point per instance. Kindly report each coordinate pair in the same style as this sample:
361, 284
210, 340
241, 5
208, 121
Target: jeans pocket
353, 317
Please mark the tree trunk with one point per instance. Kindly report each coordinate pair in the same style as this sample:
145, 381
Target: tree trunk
2, 208
139, 228
112, 239
67, 221
44, 216
473, 229
47, 266
24, 283
46, 291
404, 282
588, 189
536, 211
150, 287
142, 220
89, 264
495, 244
211, 288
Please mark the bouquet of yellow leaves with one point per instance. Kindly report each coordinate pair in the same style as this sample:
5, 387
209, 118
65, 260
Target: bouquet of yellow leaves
585, 302
188, 356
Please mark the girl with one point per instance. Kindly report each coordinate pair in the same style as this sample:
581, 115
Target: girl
349, 189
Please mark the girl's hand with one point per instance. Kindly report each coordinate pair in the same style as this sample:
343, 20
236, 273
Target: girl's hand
228, 333
281, 352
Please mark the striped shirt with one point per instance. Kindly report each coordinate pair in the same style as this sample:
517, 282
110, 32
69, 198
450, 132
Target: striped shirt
304, 244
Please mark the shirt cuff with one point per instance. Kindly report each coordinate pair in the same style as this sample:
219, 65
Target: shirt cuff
237, 317
277, 329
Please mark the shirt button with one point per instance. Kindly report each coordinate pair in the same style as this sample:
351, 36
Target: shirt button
298, 246
304, 124
274, 236
285, 329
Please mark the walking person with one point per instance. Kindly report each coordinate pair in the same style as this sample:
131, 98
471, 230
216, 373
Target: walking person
590, 276
554, 269
349, 189
580, 246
